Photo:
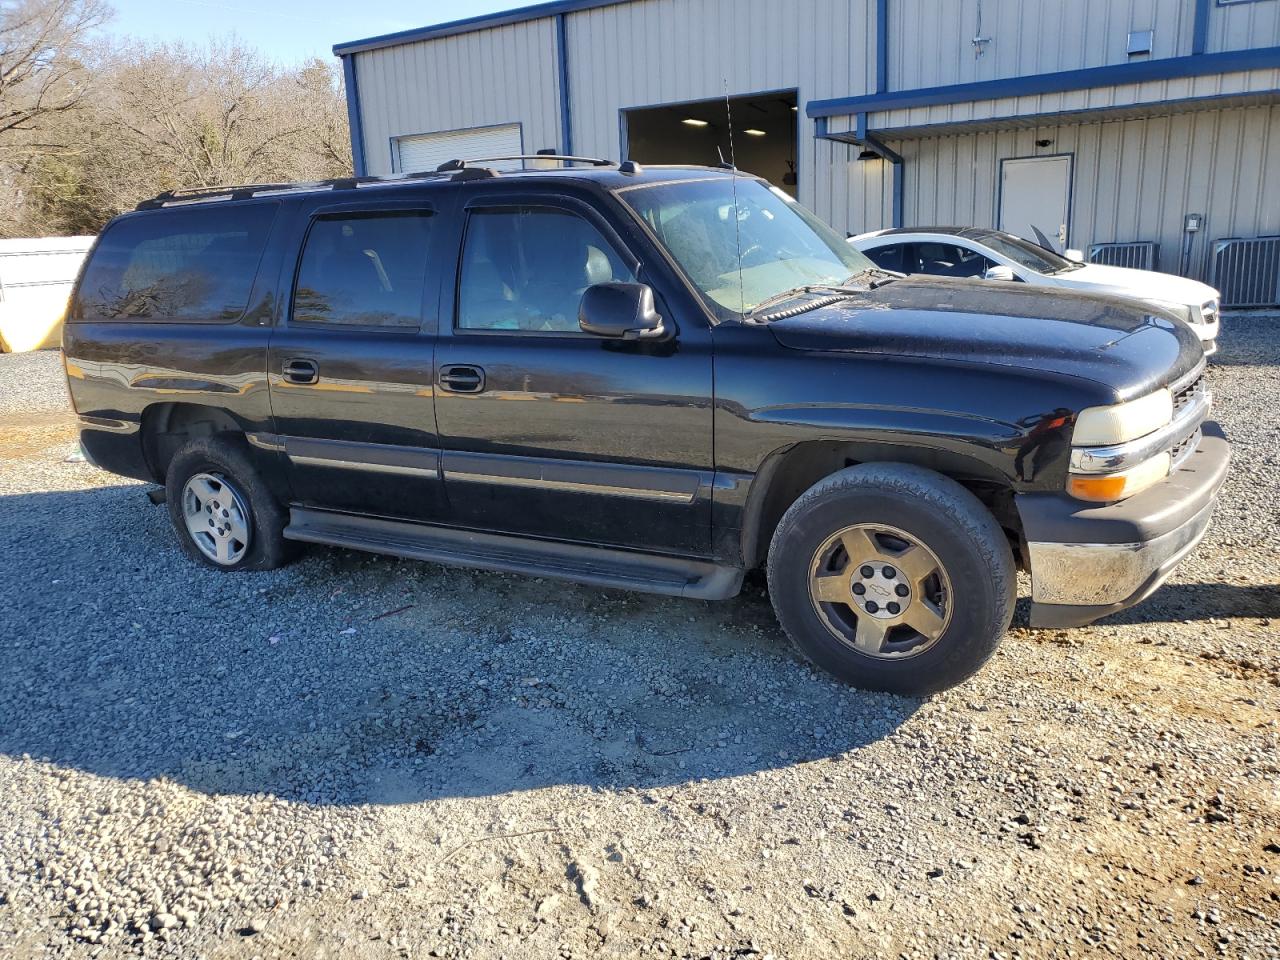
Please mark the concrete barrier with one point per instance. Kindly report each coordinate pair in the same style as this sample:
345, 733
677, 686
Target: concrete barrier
36, 277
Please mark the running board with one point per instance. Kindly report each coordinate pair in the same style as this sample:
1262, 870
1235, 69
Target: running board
597, 566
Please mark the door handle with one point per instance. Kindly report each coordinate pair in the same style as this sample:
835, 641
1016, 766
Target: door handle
300, 370
461, 378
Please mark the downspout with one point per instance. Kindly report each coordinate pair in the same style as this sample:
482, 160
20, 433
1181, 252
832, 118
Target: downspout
562, 64
353, 114
882, 46
860, 138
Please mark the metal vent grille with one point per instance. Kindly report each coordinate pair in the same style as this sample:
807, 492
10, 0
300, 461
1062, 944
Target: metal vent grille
1247, 272
1142, 255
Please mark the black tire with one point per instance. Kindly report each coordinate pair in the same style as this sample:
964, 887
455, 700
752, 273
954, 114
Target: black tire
225, 457
963, 536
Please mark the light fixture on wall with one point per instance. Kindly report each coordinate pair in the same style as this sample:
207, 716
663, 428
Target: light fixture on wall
1044, 143
868, 155
693, 122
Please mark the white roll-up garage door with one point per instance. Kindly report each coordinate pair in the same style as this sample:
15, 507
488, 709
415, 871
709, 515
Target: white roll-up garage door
424, 152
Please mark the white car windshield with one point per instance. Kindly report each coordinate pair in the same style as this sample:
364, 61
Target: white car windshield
1028, 254
783, 246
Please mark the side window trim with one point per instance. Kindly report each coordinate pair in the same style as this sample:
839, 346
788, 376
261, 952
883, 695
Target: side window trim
555, 203
336, 211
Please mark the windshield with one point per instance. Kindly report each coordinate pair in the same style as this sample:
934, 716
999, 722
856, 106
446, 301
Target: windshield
1028, 254
783, 245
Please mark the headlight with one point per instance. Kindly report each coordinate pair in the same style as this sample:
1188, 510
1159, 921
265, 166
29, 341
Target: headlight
1121, 422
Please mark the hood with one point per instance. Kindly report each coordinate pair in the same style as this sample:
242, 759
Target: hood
1109, 340
1138, 283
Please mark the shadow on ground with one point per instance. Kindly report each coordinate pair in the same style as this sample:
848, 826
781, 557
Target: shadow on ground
348, 678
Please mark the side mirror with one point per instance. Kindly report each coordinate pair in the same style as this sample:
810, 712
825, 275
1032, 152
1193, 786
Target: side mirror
620, 311
1075, 256
1000, 272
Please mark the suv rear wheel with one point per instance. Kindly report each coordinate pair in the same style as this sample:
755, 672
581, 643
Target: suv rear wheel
892, 577
222, 510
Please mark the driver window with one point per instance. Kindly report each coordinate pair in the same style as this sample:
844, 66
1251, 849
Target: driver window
948, 260
526, 268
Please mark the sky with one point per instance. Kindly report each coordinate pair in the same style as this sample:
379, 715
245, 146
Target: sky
288, 31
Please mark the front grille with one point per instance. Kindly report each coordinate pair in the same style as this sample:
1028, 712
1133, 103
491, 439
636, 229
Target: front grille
1186, 394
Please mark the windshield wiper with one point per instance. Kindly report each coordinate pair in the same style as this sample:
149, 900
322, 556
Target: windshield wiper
759, 309
883, 277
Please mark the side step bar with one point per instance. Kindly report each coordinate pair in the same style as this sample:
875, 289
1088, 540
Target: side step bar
597, 566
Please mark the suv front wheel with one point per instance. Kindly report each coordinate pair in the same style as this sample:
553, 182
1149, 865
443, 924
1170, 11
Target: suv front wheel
892, 577
221, 508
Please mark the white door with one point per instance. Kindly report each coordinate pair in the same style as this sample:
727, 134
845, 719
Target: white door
1035, 199
426, 151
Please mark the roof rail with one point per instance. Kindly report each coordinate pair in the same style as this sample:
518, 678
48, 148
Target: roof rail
194, 195
454, 165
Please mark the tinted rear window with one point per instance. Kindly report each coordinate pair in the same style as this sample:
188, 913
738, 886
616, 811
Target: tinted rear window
186, 266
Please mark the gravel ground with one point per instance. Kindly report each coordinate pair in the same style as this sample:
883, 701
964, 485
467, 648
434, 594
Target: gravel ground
363, 757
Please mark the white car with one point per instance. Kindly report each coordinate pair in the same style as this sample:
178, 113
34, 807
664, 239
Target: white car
995, 255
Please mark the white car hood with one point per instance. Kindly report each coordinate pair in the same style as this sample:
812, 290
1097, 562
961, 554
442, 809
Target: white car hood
1145, 284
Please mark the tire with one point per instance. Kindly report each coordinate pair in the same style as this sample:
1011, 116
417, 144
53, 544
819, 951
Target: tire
246, 522
946, 624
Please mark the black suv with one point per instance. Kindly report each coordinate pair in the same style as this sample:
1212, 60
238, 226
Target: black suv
653, 379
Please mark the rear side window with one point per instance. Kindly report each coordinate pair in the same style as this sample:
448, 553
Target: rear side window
184, 266
365, 269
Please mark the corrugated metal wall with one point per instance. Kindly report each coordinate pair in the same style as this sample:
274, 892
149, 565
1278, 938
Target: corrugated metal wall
1134, 179
669, 51
652, 52
502, 75
1152, 93
1235, 26
1026, 36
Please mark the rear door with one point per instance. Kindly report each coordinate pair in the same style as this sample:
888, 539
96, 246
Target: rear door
350, 363
549, 431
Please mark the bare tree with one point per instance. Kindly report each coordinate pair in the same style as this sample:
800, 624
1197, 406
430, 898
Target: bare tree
42, 73
164, 116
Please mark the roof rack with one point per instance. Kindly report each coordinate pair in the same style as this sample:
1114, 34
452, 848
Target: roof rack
452, 170
455, 165
193, 195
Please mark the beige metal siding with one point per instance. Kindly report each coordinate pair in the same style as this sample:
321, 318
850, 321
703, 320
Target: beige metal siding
1098, 98
669, 51
931, 40
1132, 180
1238, 26
501, 75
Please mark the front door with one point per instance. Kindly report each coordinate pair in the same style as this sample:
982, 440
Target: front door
351, 365
551, 432
1035, 199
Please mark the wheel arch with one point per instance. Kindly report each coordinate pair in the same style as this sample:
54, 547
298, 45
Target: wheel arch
167, 426
789, 471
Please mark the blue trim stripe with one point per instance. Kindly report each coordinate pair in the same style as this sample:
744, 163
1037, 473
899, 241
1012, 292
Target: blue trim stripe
1167, 69
1200, 30
562, 63
882, 46
470, 24
353, 115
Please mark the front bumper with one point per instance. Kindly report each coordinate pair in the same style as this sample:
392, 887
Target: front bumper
1088, 561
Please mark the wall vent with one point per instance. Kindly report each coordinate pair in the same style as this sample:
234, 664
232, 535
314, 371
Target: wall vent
1143, 255
1247, 272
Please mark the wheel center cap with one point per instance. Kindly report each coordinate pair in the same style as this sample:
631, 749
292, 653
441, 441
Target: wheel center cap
880, 590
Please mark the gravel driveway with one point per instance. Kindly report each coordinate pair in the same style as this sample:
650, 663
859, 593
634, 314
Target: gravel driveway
365, 757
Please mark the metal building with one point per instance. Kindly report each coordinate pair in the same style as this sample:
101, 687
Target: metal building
1153, 124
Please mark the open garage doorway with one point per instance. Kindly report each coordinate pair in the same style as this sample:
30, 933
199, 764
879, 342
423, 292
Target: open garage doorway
764, 134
